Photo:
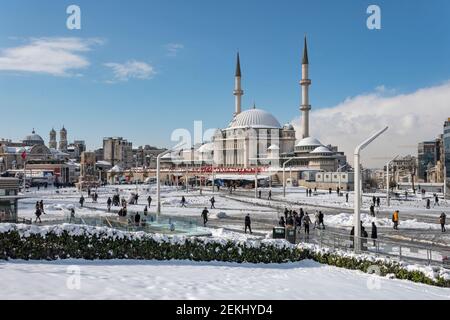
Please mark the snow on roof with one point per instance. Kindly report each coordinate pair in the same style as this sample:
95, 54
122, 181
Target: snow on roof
103, 163
255, 118
207, 147
273, 147
309, 142
321, 149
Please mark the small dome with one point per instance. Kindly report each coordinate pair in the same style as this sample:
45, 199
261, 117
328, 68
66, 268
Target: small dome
33, 139
309, 142
288, 126
207, 147
255, 118
321, 149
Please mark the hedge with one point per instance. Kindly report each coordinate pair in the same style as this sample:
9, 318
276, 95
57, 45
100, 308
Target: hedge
92, 243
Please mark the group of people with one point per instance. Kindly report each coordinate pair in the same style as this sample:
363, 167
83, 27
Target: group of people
39, 210
269, 196
365, 235
292, 218
436, 201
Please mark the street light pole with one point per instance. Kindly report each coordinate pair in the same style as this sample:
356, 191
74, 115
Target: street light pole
339, 171
388, 191
158, 180
284, 175
357, 205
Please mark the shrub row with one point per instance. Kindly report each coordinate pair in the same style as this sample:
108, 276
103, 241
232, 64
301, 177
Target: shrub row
90, 243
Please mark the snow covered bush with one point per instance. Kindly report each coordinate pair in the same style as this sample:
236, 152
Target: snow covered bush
86, 242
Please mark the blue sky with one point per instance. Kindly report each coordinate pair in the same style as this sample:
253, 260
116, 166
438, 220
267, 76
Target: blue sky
195, 82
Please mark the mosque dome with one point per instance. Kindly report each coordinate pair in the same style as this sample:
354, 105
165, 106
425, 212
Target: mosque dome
288, 126
321, 150
309, 142
255, 118
33, 139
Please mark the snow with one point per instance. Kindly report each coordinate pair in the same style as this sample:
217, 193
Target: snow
132, 280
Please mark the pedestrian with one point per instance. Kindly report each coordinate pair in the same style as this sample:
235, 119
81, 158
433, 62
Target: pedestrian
149, 200
213, 201
316, 219
428, 203
183, 201
378, 202
89, 192
108, 204
372, 210
374, 233
436, 200
321, 216
259, 194
205, 216
306, 223
72, 214
338, 190
145, 211
352, 237
374, 200
282, 222
41, 206
81, 201
442, 221
395, 219
310, 192
38, 215
137, 219
346, 197
136, 198
248, 223
270, 195
406, 194
329, 190
286, 212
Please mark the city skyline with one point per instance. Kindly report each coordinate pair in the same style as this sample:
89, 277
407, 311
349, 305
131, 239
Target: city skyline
117, 85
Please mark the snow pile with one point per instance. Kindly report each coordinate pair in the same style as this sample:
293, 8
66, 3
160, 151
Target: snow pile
221, 215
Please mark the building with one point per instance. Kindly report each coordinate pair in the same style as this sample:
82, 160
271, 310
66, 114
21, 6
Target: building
145, 156
52, 142
63, 140
9, 190
426, 157
446, 156
254, 137
118, 151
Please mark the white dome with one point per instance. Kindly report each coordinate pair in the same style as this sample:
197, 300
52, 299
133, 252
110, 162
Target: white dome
309, 142
321, 149
273, 147
255, 118
207, 147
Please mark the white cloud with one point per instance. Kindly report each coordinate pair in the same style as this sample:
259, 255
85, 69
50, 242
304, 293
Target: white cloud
173, 49
54, 56
130, 70
413, 117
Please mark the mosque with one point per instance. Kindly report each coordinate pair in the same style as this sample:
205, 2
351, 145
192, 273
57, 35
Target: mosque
255, 137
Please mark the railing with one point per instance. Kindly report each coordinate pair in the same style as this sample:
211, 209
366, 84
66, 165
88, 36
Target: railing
430, 255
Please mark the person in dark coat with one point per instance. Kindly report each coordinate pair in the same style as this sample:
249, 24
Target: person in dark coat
183, 201
346, 197
81, 201
38, 215
259, 194
310, 192
136, 198
374, 200
145, 211
378, 202
213, 201
282, 222
108, 204
248, 223
137, 219
442, 221
428, 203
286, 212
374, 235
330, 190
321, 216
149, 200
41, 206
372, 210
205, 216
270, 195
436, 200
306, 223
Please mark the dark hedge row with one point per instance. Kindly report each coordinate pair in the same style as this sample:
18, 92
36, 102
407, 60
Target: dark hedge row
93, 247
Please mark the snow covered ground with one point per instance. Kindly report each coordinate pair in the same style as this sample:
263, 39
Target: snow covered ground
122, 279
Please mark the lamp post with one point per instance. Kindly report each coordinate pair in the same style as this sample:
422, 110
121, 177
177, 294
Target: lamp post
284, 175
388, 198
339, 171
357, 205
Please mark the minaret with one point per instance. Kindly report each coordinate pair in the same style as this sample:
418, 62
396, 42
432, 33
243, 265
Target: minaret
63, 140
53, 144
305, 83
237, 88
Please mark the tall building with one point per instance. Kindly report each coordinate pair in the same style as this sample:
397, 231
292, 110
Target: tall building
118, 151
426, 157
52, 143
63, 140
446, 143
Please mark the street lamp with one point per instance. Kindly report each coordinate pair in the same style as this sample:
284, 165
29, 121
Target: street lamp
357, 205
284, 175
388, 198
339, 171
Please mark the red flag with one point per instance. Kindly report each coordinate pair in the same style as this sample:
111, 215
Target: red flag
24, 155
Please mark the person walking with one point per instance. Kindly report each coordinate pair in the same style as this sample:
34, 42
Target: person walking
428, 203
330, 190
248, 223
374, 200
205, 216
137, 219
213, 201
346, 197
374, 234
41, 206
282, 222
436, 200
108, 204
395, 219
316, 219
372, 210
72, 214
149, 200
378, 202
38, 215
270, 195
286, 212
442, 221
310, 192
321, 216
259, 194
306, 223
82, 201
183, 201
